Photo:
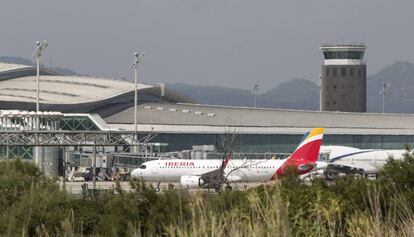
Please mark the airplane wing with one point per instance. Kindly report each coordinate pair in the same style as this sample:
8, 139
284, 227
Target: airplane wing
215, 178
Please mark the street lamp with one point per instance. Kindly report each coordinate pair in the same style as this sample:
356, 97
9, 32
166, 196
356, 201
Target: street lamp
40, 47
138, 56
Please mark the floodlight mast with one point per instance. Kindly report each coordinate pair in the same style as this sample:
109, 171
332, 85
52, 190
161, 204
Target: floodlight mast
385, 86
255, 94
138, 56
40, 48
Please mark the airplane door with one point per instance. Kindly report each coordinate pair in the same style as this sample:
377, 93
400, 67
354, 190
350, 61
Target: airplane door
154, 169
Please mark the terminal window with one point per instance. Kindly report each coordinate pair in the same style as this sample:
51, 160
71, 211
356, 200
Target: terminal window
343, 72
335, 72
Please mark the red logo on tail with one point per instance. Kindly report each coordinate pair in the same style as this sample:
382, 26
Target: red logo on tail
305, 156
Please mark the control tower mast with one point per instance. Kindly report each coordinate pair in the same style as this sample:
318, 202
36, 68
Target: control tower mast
343, 78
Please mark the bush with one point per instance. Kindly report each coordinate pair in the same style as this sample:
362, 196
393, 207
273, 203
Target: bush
351, 206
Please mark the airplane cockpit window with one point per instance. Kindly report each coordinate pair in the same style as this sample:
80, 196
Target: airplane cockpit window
143, 167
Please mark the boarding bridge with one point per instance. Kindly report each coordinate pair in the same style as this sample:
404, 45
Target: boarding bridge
38, 136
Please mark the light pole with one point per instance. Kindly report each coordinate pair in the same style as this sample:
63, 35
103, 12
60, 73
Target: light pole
319, 86
385, 86
255, 94
138, 56
40, 47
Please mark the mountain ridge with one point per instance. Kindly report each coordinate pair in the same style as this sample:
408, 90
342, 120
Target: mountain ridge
297, 93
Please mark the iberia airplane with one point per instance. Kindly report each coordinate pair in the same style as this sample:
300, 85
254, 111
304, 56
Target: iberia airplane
214, 173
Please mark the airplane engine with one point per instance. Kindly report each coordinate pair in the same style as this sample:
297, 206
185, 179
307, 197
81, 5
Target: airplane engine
191, 181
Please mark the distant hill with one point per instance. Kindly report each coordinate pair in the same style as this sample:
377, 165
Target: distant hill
215, 95
304, 94
16, 60
294, 94
24, 61
400, 96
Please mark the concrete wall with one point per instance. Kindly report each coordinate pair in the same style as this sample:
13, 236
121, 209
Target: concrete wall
344, 88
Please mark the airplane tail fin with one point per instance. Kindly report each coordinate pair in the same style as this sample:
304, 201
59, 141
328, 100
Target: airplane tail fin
308, 149
304, 158
226, 161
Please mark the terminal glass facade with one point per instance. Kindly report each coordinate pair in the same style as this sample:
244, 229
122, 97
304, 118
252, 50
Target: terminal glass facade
14, 152
282, 143
77, 123
71, 123
250, 143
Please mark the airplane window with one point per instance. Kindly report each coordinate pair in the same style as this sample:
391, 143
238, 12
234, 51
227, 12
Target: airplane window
143, 167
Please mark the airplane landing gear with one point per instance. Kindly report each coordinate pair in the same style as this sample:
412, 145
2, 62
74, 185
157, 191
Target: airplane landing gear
228, 188
157, 189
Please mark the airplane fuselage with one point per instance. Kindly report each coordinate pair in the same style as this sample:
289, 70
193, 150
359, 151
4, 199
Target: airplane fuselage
371, 161
235, 171
213, 173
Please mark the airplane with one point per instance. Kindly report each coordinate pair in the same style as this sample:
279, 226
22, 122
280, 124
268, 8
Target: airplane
214, 173
350, 160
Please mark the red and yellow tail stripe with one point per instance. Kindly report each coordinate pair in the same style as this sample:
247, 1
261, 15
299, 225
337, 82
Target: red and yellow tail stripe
306, 154
315, 135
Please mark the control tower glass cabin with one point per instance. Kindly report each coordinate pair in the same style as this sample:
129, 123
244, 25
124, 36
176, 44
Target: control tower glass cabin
343, 78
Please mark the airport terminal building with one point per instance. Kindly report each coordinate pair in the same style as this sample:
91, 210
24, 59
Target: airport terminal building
83, 103
89, 103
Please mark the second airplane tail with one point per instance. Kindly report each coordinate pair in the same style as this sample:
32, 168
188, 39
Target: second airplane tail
304, 158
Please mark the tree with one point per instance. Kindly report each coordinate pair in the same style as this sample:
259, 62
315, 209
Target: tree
400, 172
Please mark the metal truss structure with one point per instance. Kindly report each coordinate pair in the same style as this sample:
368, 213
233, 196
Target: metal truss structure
71, 138
77, 123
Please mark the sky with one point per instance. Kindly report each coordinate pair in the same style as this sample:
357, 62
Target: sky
205, 42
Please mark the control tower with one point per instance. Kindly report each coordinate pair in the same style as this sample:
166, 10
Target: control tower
343, 78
